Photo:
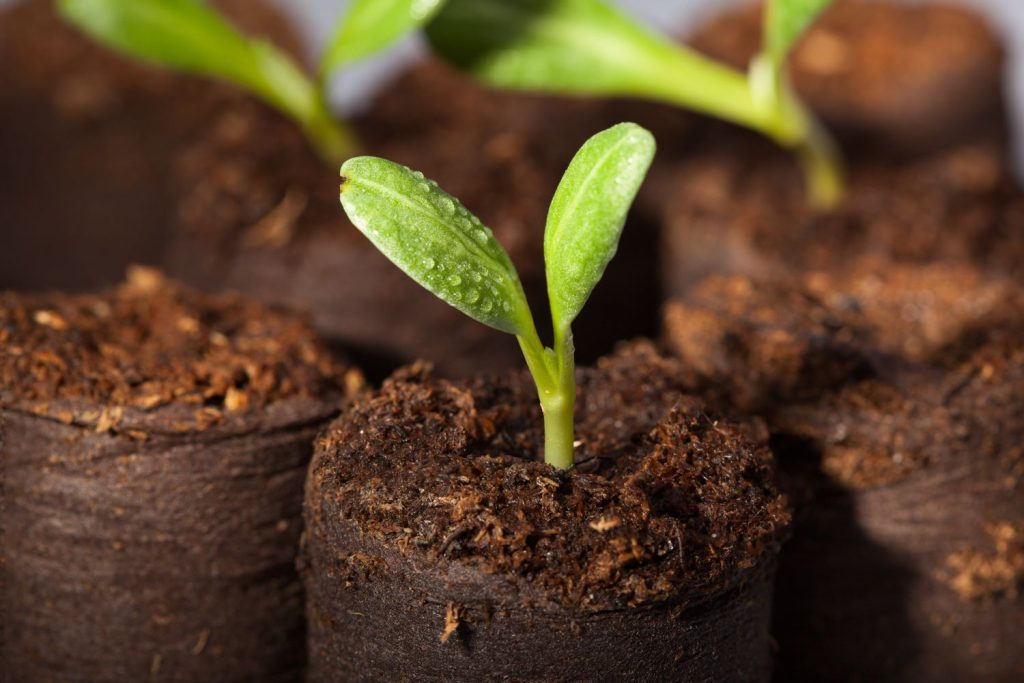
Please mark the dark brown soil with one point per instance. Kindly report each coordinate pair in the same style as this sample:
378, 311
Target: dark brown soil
887, 77
738, 207
438, 545
86, 136
155, 445
893, 400
261, 214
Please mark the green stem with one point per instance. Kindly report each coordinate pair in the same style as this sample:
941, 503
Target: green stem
723, 92
331, 138
553, 373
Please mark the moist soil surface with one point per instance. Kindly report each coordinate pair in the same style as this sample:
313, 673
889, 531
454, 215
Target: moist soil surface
889, 78
261, 211
893, 402
156, 441
87, 137
738, 207
669, 510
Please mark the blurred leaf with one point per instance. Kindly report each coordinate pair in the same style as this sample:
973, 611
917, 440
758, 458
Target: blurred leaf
429, 235
588, 213
188, 36
784, 23
583, 47
369, 26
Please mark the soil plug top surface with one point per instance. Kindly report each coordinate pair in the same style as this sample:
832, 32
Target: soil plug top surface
151, 343
667, 502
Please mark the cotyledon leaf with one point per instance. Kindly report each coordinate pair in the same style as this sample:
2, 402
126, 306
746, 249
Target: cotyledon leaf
785, 21
371, 25
190, 36
430, 236
577, 46
588, 212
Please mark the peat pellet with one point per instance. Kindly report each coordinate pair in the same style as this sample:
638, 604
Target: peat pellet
738, 206
260, 214
888, 77
438, 547
155, 446
893, 402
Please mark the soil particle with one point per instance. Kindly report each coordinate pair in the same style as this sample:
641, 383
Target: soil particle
993, 572
898, 430
888, 77
668, 508
155, 445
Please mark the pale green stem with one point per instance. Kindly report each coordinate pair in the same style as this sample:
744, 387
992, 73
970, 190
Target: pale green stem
331, 138
556, 388
720, 91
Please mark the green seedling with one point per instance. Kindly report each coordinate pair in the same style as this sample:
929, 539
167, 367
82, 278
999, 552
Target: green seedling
587, 47
433, 238
190, 36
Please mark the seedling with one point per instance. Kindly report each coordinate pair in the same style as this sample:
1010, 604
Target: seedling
189, 36
433, 238
587, 47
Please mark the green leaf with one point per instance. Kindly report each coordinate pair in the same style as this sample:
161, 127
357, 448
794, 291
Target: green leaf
785, 21
588, 213
372, 25
584, 47
188, 36
433, 238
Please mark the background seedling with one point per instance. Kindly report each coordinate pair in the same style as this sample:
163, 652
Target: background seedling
190, 36
587, 47
442, 246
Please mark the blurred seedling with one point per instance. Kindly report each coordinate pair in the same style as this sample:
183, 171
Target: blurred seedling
586, 47
190, 36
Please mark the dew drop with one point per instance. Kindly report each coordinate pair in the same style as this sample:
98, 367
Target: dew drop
481, 236
486, 306
477, 277
446, 206
429, 263
454, 280
425, 187
417, 175
472, 296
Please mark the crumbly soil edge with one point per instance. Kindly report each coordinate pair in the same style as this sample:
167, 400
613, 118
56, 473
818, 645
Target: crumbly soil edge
893, 401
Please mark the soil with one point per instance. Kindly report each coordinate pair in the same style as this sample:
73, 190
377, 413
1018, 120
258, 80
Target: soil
739, 208
893, 402
155, 442
890, 78
261, 214
439, 545
86, 137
